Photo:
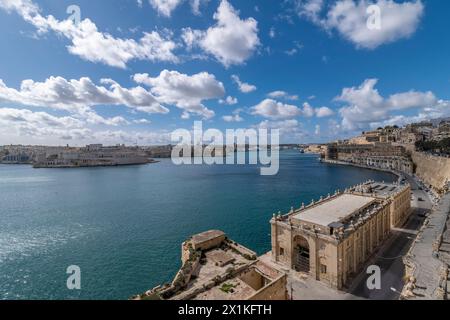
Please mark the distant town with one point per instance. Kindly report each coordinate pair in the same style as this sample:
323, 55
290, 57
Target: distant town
93, 155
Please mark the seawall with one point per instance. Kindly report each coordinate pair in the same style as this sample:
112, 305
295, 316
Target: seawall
343, 163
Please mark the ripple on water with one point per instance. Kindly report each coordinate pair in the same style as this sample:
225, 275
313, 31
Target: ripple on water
28, 242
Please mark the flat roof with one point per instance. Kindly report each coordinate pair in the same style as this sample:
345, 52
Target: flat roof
334, 210
385, 189
206, 236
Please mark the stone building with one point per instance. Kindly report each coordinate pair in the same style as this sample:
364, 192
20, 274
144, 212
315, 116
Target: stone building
217, 268
402, 164
332, 239
345, 152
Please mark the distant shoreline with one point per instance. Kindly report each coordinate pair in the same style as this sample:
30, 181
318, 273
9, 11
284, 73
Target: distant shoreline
343, 163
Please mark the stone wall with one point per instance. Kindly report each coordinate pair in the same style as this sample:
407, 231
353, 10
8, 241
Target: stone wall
207, 240
434, 171
274, 291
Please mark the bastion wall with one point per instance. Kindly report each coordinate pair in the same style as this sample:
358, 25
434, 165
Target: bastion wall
434, 171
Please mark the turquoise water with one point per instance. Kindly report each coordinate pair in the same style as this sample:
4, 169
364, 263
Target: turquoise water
124, 226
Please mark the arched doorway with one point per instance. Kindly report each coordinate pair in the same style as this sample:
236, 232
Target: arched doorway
301, 254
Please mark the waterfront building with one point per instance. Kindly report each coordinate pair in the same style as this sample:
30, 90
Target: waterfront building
333, 238
92, 156
401, 164
16, 158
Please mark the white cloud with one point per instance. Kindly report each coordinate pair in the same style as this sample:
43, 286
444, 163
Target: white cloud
272, 32
231, 40
184, 91
165, 7
23, 122
142, 121
323, 112
29, 127
350, 19
311, 9
235, 117
279, 94
364, 105
78, 96
229, 101
196, 4
275, 110
440, 109
308, 111
293, 51
94, 46
39, 119
243, 86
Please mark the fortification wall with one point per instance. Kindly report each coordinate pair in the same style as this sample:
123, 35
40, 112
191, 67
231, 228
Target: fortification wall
434, 171
274, 291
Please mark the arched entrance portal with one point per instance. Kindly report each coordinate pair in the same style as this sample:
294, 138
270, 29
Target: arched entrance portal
301, 254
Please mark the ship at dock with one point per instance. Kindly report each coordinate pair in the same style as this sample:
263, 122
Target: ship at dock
94, 155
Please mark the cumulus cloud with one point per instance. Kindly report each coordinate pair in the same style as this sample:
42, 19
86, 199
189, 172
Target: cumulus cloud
229, 101
23, 122
350, 19
165, 7
142, 121
26, 126
323, 112
441, 109
243, 86
309, 111
231, 40
92, 45
279, 94
275, 110
78, 96
184, 91
364, 105
235, 117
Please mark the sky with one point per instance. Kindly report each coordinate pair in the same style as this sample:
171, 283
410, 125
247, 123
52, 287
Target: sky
132, 71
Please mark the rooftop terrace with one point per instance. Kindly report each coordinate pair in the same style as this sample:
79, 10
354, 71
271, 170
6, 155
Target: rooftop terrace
334, 210
384, 190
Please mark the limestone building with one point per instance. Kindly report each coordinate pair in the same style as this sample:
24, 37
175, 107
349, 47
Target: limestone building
217, 268
332, 239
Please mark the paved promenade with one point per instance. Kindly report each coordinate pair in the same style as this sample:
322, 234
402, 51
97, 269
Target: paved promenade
425, 259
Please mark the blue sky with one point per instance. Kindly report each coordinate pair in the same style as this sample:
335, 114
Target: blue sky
132, 71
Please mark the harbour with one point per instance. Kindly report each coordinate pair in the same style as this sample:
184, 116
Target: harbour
123, 226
